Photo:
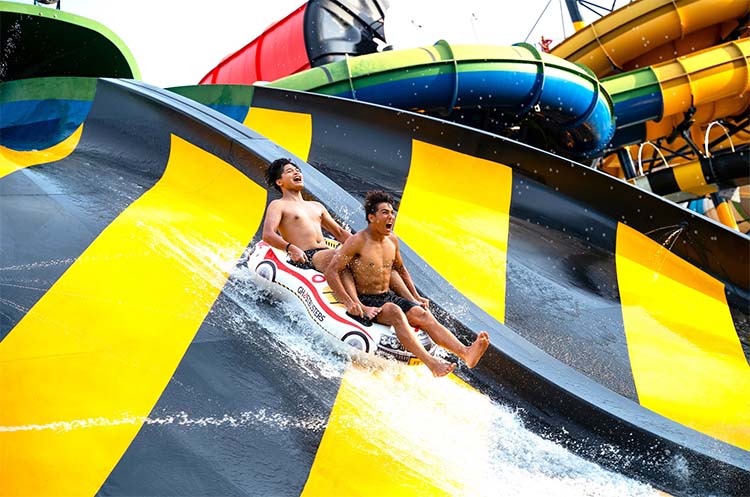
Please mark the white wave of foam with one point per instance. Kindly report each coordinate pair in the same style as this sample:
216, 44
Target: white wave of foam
261, 417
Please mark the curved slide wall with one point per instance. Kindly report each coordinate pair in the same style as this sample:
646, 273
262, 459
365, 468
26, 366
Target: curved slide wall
157, 220
606, 329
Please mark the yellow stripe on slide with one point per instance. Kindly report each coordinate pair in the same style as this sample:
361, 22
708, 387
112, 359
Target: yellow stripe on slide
13, 160
290, 130
400, 432
90, 360
458, 229
685, 355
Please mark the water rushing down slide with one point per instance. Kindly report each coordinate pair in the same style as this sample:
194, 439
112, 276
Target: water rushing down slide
138, 360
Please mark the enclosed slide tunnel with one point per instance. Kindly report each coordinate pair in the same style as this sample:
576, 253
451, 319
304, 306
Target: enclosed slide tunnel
486, 87
650, 103
625, 43
651, 98
491, 88
118, 241
649, 32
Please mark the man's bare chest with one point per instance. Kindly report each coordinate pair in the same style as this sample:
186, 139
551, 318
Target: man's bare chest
301, 216
376, 260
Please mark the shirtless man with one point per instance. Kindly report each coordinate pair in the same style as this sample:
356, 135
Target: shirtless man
294, 224
371, 255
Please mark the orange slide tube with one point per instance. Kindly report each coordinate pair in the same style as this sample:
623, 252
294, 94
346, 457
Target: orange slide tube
629, 34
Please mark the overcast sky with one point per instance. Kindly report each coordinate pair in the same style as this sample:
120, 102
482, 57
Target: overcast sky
177, 43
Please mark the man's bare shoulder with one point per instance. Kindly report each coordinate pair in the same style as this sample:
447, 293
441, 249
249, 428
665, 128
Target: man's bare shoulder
315, 205
282, 204
356, 241
359, 237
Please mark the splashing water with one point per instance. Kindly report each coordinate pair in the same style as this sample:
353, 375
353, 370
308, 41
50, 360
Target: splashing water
465, 442
293, 338
480, 447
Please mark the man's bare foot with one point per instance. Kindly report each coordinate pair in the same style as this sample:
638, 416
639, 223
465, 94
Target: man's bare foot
477, 349
439, 367
371, 312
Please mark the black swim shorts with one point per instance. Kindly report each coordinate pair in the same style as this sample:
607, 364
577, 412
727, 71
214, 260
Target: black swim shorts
308, 264
382, 298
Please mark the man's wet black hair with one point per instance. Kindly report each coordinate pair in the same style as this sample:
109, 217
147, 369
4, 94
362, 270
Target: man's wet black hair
373, 199
274, 171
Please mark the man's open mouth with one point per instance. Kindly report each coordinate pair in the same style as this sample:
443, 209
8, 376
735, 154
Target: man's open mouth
389, 226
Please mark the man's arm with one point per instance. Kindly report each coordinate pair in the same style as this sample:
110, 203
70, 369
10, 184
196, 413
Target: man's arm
341, 258
334, 228
398, 266
399, 287
271, 232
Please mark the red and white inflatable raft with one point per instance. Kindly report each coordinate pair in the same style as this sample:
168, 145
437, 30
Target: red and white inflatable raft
272, 270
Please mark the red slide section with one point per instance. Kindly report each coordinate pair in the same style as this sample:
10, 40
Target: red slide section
280, 51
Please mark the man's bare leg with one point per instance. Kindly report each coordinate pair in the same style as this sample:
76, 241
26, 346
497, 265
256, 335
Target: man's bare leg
321, 260
423, 319
392, 315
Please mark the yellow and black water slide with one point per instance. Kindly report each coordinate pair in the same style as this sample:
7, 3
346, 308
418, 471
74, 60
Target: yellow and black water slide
617, 319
